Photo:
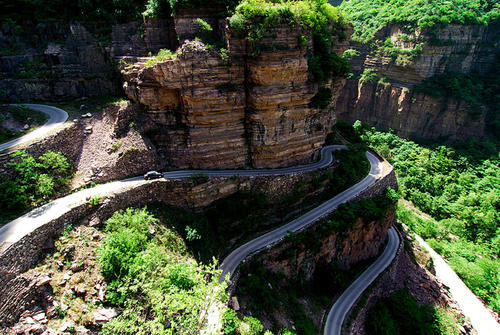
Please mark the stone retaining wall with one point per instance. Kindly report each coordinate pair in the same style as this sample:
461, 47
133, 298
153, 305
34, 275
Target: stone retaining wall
17, 258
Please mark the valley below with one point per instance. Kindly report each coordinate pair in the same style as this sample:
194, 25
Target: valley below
249, 167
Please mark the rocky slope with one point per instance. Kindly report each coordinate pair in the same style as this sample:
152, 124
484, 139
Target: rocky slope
404, 59
101, 146
412, 270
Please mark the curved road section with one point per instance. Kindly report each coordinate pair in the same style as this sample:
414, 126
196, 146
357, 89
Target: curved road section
56, 117
18, 228
232, 261
344, 303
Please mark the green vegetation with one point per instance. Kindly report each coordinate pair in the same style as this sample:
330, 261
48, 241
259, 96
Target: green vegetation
367, 16
22, 116
150, 275
94, 200
399, 313
255, 19
31, 182
345, 217
455, 85
471, 88
322, 99
368, 76
204, 26
162, 56
34, 69
157, 7
460, 188
207, 235
402, 56
87, 10
368, 209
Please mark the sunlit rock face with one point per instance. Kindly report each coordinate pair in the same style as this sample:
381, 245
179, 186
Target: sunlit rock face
251, 108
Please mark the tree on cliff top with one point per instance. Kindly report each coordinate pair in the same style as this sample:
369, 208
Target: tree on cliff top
368, 16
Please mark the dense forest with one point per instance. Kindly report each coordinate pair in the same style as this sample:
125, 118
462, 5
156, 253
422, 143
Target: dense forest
458, 187
367, 16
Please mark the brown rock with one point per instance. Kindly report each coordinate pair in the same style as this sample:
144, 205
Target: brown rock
104, 315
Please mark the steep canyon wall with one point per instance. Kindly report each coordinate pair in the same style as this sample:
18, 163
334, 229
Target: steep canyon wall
412, 57
250, 108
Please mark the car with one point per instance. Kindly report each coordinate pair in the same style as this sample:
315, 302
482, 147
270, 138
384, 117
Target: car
152, 175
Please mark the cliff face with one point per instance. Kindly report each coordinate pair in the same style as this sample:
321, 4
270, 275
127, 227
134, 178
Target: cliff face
411, 114
249, 109
405, 59
360, 242
53, 61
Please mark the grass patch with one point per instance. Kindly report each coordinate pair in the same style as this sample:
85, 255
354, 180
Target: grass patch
32, 182
399, 313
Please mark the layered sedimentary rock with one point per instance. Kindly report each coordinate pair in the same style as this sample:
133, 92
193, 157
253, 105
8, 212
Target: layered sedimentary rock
395, 104
138, 38
252, 108
196, 118
54, 61
282, 128
411, 114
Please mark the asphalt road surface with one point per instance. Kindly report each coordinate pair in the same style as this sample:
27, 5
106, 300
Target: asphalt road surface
56, 117
18, 228
472, 307
333, 324
232, 261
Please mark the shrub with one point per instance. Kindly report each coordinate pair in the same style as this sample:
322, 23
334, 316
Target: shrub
224, 55
322, 99
94, 200
34, 182
368, 76
151, 278
230, 322
254, 19
250, 326
204, 26
162, 56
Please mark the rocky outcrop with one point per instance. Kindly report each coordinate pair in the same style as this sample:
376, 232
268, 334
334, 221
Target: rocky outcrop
102, 146
405, 58
282, 129
410, 114
54, 61
406, 273
249, 108
138, 38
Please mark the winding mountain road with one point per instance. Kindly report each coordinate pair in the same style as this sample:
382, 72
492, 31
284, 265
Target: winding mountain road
18, 228
22, 226
333, 324
232, 261
56, 117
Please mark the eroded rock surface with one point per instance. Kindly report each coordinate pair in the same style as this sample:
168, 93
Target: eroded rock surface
249, 109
